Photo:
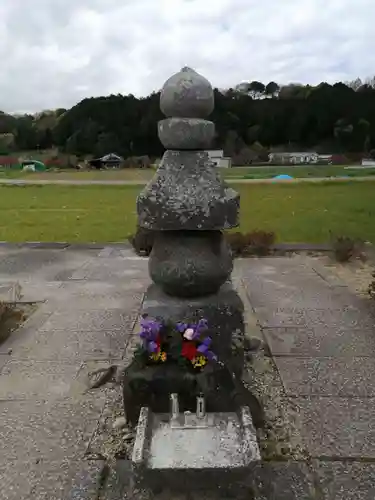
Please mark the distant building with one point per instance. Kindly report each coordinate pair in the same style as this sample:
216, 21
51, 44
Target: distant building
110, 160
368, 162
295, 157
218, 158
325, 159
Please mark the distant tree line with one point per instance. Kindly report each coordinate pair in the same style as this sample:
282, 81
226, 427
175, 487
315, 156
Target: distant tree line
251, 119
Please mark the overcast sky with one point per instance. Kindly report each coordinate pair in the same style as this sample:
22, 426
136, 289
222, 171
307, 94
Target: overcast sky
53, 53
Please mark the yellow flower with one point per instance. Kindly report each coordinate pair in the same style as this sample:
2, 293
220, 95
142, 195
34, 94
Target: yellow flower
159, 356
199, 361
154, 356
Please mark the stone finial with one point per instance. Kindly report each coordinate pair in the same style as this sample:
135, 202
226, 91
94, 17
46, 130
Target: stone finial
187, 94
186, 99
187, 203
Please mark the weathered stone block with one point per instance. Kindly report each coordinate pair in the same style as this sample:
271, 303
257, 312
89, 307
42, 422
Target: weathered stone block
152, 386
223, 311
187, 194
190, 264
186, 133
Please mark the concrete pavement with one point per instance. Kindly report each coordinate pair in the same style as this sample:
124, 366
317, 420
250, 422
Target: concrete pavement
321, 340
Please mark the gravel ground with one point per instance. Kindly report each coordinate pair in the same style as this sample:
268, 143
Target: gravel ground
356, 275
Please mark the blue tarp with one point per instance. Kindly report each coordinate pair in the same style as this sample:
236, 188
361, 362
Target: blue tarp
283, 176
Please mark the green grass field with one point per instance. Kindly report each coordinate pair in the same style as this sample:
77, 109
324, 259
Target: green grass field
296, 212
298, 172
232, 173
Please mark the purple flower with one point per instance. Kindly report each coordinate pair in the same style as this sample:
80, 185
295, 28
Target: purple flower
198, 328
181, 327
152, 346
211, 356
204, 349
150, 329
207, 341
202, 325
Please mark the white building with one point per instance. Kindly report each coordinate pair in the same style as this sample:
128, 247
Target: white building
217, 157
294, 158
367, 162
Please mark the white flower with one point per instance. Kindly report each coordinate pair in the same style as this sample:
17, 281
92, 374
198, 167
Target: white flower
189, 334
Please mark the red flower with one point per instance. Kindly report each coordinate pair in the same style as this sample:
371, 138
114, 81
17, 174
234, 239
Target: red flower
189, 350
158, 342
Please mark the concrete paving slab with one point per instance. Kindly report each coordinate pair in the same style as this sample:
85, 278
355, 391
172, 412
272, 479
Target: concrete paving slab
118, 251
69, 481
38, 380
90, 320
112, 269
60, 345
4, 359
45, 480
283, 481
101, 289
25, 331
338, 427
39, 291
273, 266
320, 341
334, 318
290, 286
129, 301
28, 261
15, 479
62, 296
309, 297
6, 292
55, 431
346, 480
29, 264
328, 275
350, 377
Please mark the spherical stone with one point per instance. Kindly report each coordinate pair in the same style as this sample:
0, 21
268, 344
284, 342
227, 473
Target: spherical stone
187, 94
190, 263
186, 133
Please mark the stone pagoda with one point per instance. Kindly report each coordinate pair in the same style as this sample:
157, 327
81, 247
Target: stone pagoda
188, 206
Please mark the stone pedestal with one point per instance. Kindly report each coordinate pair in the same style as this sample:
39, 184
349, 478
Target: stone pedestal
223, 311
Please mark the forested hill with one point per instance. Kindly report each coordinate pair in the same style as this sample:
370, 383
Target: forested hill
253, 117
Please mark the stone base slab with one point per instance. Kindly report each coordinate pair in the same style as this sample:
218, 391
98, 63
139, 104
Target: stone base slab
183, 455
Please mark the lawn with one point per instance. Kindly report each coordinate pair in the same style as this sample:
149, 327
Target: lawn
268, 172
144, 175
296, 212
128, 174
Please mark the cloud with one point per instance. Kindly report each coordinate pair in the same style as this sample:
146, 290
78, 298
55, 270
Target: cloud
57, 52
